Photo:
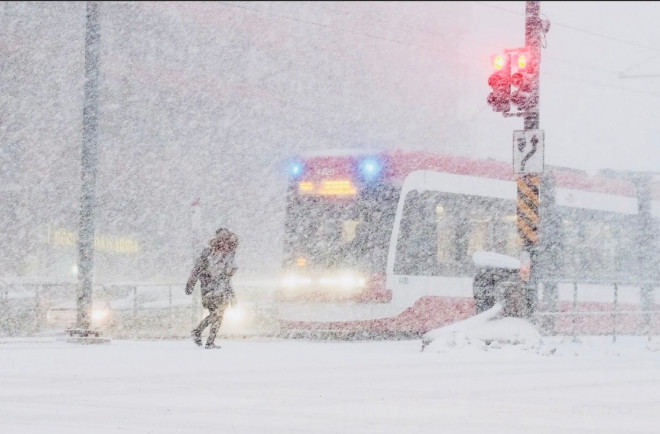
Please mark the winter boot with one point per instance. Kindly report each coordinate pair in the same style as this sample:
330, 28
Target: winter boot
212, 346
196, 337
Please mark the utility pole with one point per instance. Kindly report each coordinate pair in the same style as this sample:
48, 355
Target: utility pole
88, 171
516, 83
529, 184
533, 45
646, 235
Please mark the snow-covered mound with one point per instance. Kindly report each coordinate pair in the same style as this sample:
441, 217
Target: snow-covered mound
486, 330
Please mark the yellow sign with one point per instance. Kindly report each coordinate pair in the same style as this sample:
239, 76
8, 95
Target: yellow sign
103, 243
528, 208
337, 188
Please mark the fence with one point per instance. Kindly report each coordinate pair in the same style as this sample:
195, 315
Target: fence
595, 308
128, 310
163, 310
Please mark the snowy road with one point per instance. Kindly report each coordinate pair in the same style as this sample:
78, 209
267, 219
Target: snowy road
279, 386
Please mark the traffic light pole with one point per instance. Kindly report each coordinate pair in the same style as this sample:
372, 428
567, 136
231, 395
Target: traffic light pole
533, 46
529, 184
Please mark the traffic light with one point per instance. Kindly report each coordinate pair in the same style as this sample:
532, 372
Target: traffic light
500, 81
524, 79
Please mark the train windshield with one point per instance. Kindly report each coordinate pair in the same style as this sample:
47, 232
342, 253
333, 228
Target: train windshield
326, 233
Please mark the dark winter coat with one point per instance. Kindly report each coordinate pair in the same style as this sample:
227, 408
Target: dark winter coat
214, 271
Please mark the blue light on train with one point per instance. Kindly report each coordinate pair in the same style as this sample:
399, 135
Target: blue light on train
371, 168
295, 169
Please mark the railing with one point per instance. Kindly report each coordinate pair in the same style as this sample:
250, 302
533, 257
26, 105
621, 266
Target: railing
28, 308
162, 310
605, 314
120, 310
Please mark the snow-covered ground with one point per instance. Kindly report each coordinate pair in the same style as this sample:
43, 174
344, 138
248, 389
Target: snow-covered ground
48, 385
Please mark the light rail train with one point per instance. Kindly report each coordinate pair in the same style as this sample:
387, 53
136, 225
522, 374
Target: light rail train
383, 243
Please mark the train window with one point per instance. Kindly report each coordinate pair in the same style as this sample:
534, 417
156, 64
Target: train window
445, 245
625, 258
572, 255
507, 240
439, 233
597, 246
416, 244
481, 235
600, 254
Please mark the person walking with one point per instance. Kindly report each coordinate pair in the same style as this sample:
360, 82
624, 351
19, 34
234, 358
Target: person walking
214, 269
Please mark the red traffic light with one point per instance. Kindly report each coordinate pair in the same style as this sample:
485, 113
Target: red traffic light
518, 80
523, 82
500, 82
497, 80
499, 61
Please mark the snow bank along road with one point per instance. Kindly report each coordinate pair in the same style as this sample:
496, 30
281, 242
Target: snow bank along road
297, 386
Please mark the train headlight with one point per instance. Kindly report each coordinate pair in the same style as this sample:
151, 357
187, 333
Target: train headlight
295, 281
343, 281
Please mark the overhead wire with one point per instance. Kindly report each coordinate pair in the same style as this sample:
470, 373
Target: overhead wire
345, 30
454, 53
459, 54
577, 29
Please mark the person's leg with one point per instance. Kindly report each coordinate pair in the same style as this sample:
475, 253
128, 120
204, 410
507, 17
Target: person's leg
197, 331
215, 326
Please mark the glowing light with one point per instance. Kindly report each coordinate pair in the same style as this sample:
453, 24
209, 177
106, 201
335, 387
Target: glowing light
525, 273
305, 187
292, 281
295, 169
332, 282
99, 314
234, 314
301, 262
345, 281
370, 168
522, 61
337, 188
499, 61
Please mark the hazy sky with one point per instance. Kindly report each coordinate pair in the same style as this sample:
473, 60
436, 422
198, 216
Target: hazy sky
207, 99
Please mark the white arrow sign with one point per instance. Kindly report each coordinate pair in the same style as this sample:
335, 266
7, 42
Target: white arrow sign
528, 151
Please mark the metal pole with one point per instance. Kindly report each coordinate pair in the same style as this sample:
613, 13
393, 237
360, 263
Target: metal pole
531, 122
614, 307
169, 288
135, 306
533, 46
575, 296
646, 258
4, 307
551, 240
88, 171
